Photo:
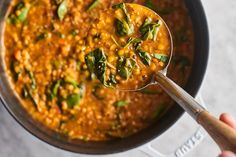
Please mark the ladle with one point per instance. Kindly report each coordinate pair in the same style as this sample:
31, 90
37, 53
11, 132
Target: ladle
223, 135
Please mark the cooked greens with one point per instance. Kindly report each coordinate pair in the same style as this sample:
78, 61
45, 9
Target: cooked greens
121, 103
73, 99
62, 10
124, 26
125, 67
149, 29
133, 41
22, 16
162, 57
93, 5
144, 56
41, 36
96, 62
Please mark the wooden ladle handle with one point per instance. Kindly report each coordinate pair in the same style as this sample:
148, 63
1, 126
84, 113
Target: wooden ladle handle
223, 135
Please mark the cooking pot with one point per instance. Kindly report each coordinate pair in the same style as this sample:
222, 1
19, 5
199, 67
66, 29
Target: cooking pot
12, 103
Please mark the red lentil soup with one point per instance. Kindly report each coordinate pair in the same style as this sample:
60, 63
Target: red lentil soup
64, 57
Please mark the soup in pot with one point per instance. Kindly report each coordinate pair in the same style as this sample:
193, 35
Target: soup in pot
63, 62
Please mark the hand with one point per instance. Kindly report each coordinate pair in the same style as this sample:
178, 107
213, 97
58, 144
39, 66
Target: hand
227, 119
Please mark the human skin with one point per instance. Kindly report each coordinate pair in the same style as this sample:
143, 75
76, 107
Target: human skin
229, 120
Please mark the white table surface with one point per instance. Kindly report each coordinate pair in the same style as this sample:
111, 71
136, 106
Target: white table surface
218, 90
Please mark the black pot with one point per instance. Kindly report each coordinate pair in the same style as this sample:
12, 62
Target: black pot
199, 66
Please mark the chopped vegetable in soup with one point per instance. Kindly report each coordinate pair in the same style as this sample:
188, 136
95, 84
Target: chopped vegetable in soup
61, 55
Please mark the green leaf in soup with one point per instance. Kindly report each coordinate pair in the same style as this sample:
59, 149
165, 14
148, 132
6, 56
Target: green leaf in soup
73, 100
71, 81
125, 67
165, 11
90, 62
93, 5
181, 61
123, 26
180, 37
23, 9
74, 32
62, 10
150, 5
159, 110
16, 69
133, 41
32, 78
162, 57
23, 15
56, 87
121, 103
116, 42
52, 90
27, 94
144, 56
96, 62
112, 80
149, 29
41, 36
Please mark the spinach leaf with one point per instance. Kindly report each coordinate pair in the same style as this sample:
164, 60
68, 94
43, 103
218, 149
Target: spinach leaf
74, 32
162, 57
149, 29
93, 5
181, 61
52, 90
27, 94
133, 41
165, 11
149, 4
180, 37
125, 67
71, 81
33, 81
56, 87
111, 81
22, 16
144, 56
41, 37
121, 103
16, 69
159, 110
114, 40
96, 62
123, 26
72, 100
62, 10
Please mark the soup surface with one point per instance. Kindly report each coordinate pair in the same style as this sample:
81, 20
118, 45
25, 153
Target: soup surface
60, 55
